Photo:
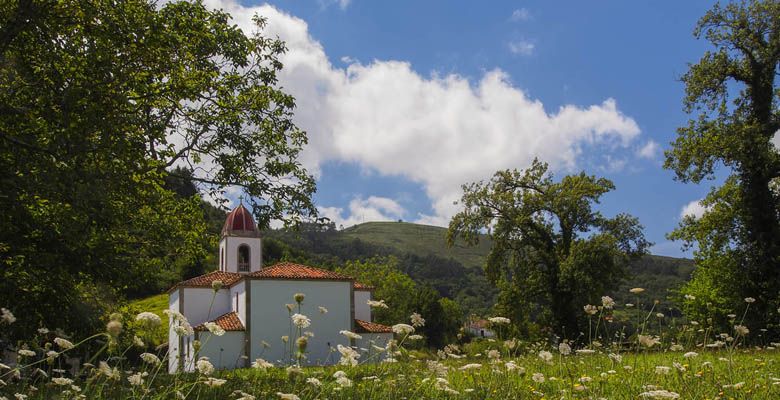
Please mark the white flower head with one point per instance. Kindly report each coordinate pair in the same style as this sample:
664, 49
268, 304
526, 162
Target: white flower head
6, 316
377, 304
63, 343
301, 321
204, 366
351, 335
214, 328
148, 319
261, 364
546, 356
403, 329
150, 358
499, 320
417, 320
607, 302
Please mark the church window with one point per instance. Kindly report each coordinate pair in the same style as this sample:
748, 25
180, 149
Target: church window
243, 258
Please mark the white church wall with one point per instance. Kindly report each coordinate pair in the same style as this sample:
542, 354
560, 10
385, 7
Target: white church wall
173, 338
362, 310
197, 302
238, 291
224, 352
270, 319
230, 245
367, 352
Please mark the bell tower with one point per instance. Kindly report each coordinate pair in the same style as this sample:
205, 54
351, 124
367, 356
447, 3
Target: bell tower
240, 246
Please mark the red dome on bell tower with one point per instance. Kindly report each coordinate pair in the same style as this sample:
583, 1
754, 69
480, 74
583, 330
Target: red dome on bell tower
240, 223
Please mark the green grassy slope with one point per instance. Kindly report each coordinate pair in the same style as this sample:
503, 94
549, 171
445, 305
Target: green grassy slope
421, 240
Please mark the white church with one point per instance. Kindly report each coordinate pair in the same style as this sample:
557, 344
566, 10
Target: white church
251, 307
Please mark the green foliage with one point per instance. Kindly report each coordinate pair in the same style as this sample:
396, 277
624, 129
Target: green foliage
99, 100
732, 94
404, 297
552, 252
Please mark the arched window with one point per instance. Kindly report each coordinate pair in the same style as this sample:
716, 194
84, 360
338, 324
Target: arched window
243, 258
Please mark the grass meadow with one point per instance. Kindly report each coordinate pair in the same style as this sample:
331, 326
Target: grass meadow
677, 361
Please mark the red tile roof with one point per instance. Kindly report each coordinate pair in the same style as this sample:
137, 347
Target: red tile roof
228, 322
362, 286
287, 270
205, 280
371, 327
239, 221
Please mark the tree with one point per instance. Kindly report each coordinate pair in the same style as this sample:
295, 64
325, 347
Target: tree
404, 297
99, 101
732, 95
552, 253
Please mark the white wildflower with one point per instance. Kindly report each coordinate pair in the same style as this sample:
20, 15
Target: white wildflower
150, 358
6, 316
377, 303
403, 329
659, 395
148, 319
204, 366
499, 320
214, 328
64, 344
136, 379
607, 302
214, 382
301, 321
417, 320
546, 356
351, 335
261, 364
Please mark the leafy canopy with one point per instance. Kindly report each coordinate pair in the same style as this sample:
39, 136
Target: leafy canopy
552, 252
99, 100
732, 96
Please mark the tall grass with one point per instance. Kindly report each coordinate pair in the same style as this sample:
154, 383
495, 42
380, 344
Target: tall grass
658, 361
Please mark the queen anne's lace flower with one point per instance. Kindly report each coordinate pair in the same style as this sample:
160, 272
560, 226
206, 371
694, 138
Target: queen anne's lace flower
6, 316
261, 364
63, 343
214, 328
499, 320
148, 319
351, 335
403, 329
204, 366
301, 321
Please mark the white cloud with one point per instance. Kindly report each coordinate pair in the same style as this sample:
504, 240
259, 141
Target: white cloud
694, 209
521, 47
439, 131
521, 14
343, 4
649, 150
364, 210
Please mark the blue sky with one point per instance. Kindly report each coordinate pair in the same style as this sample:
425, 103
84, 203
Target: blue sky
386, 92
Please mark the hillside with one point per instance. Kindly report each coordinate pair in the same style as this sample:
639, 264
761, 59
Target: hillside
422, 240
456, 272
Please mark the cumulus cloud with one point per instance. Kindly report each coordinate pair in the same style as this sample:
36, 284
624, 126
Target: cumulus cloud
521, 47
649, 150
694, 209
437, 130
520, 14
364, 210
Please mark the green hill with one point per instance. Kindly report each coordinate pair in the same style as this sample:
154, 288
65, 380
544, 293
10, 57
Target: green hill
422, 240
456, 272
